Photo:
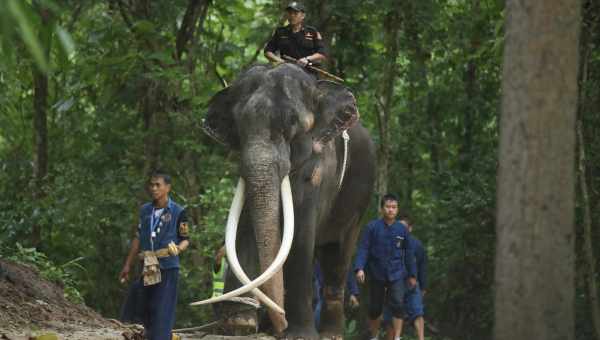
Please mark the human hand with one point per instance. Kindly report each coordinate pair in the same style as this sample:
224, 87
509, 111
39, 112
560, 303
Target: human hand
354, 303
124, 275
412, 282
360, 276
423, 292
173, 249
303, 62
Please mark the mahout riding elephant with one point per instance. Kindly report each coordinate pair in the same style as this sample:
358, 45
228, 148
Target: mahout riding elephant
307, 170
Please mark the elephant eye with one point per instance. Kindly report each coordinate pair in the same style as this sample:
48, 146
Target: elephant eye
289, 129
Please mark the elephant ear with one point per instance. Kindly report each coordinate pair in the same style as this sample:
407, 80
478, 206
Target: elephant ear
219, 123
337, 111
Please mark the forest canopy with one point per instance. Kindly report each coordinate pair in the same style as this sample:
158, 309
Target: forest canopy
96, 94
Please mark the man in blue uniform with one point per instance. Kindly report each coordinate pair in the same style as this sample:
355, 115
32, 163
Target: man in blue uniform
388, 258
413, 299
162, 234
296, 40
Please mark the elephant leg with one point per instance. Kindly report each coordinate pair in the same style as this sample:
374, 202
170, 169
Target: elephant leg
335, 261
298, 271
241, 319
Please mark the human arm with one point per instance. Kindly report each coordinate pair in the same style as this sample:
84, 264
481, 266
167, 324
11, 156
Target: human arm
362, 254
311, 59
318, 54
218, 259
133, 250
272, 57
272, 47
182, 235
409, 260
421, 257
183, 245
353, 292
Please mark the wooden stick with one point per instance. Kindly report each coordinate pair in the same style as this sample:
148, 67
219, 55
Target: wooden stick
316, 69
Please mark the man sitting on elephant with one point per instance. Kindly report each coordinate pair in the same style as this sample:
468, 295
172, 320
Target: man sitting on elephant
296, 40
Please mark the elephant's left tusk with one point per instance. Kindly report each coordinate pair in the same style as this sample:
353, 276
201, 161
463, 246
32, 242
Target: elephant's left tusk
230, 240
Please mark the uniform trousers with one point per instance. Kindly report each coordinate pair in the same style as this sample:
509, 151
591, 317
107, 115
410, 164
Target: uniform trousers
160, 302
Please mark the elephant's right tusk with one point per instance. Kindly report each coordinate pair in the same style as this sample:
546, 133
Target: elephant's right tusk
230, 240
286, 244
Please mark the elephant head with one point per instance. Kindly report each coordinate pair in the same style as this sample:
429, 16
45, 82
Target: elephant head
277, 118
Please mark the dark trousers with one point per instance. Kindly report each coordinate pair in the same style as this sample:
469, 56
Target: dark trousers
395, 293
160, 302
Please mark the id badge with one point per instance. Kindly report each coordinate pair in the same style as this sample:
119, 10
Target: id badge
153, 234
399, 241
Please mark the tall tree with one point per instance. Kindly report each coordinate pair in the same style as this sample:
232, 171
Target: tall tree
40, 117
590, 260
588, 28
470, 80
535, 269
385, 96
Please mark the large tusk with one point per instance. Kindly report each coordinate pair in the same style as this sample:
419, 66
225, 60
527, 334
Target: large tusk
230, 240
286, 244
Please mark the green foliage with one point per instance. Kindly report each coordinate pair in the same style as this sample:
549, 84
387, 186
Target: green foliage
63, 274
121, 102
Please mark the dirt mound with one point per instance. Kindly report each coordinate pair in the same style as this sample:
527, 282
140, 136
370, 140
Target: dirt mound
29, 302
31, 306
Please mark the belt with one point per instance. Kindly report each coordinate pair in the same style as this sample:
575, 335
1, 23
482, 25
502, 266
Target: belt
160, 253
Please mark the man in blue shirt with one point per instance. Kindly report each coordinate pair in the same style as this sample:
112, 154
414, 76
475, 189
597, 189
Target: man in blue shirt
388, 258
413, 299
162, 235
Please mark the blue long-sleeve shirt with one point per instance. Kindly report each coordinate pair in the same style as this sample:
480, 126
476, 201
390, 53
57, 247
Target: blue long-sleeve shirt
351, 284
386, 252
421, 261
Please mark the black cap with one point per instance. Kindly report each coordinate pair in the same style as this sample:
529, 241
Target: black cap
296, 6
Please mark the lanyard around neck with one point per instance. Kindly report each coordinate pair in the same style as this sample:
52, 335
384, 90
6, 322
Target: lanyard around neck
153, 222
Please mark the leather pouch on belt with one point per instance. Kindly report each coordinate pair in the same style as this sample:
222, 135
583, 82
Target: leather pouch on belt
151, 270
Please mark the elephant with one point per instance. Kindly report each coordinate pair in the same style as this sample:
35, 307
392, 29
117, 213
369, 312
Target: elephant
296, 136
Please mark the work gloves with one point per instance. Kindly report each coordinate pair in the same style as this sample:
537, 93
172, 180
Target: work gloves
173, 249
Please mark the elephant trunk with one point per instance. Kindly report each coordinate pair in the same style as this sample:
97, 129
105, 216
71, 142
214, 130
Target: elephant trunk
263, 186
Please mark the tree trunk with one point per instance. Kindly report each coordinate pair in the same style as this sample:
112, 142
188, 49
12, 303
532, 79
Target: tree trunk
590, 261
40, 121
470, 79
154, 100
534, 297
385, 98
418, 84
194, 14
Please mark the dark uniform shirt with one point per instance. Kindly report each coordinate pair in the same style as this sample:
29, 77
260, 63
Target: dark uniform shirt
421, 261
307, 41
385, 252
170, 226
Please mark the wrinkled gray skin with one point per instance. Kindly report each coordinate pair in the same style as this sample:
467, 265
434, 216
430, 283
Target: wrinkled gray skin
285, 122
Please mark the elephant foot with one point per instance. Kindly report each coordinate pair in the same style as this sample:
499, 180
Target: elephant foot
238, 320
299, 333
240, 326
329, 336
